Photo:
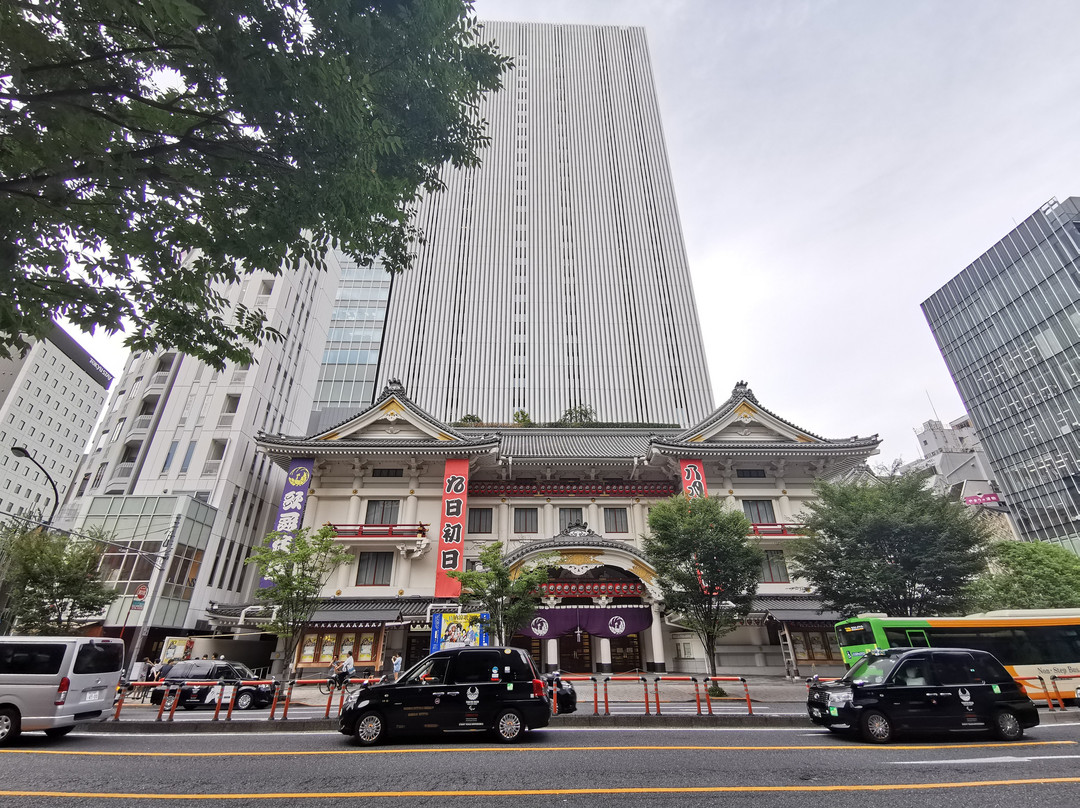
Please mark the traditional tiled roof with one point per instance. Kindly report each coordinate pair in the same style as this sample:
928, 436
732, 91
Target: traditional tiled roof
794, 608
571, 443
333, 609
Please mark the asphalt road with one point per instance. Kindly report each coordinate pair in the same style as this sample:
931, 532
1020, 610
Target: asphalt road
774, 768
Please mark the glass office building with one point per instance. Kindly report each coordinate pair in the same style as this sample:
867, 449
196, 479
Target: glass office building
1008, 327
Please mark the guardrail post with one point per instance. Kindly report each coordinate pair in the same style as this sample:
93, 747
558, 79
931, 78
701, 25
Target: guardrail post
120, 703
288, 700
656, 693
596, 696
232, 701
220, 697
645, 682
175, 701
708, 696
1057, 693
273, 703
746, 689
1045, 690
697, 693
607, 709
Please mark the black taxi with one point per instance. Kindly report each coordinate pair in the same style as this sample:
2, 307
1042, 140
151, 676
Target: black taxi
492, 688
923, 690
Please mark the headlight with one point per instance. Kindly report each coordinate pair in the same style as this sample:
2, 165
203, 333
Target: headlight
839, 696
264, 687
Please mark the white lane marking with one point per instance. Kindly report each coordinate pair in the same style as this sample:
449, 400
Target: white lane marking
1006, 759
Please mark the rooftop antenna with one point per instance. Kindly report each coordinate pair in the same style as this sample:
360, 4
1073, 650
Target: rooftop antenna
932, 409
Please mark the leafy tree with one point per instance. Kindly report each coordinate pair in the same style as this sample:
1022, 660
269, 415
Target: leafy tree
522, 418
705, 565
890, 545
509, 595
470, 419
298, 567
150, 152
53, 580
578, 415
1027, 575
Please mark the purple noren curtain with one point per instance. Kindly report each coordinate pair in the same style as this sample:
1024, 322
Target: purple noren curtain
599, 621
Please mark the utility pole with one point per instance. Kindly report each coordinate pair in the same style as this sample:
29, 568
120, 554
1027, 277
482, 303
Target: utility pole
152, 595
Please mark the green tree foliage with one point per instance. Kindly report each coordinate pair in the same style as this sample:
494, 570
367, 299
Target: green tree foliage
470, 419
578, 415
150, 152
298, 567
706, 566
509, 595
522, 418
1027, 575
890, 545
53, 580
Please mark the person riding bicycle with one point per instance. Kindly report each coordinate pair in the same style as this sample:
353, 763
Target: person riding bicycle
348, 670
337, 670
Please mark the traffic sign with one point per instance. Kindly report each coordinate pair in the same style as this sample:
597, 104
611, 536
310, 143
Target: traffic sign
140, 598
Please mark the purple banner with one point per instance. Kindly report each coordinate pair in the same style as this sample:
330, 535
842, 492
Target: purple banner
598, 621
293, 499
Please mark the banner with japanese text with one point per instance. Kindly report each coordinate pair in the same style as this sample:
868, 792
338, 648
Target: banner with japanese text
693, 478
290, 514
452, 528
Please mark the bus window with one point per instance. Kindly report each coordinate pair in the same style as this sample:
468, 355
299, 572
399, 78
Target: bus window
916, 638
855, 634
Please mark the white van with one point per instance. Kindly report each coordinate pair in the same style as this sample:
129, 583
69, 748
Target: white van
55, 683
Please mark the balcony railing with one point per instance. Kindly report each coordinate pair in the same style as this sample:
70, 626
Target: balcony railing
225, 420
159, 378
629, 488
211, 468
376, 531
123, 470
142, 422
777, 529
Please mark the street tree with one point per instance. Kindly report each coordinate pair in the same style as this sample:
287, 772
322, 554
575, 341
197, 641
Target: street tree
1027, 575
509, 595
297, 567
889, 544
152, 152
52, 579
706, 566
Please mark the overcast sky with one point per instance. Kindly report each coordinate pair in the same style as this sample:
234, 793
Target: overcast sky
835, 163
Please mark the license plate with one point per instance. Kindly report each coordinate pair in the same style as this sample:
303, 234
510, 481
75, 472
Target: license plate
92, 695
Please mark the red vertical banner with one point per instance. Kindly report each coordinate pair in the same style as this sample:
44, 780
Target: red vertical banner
452, 524
693, 478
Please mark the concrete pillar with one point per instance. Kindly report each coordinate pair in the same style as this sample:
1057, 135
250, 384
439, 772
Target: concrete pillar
656, 632
311, 509
354, 501
409, 516
551, 655
549, 526
783, 503
592, 516
503, 528
603, 661
345, 574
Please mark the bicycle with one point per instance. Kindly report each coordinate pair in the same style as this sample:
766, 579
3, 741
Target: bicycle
331, 684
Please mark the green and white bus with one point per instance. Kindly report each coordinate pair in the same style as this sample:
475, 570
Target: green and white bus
1029, 642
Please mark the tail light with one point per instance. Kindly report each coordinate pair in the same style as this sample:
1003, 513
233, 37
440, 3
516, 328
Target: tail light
538, 689
62, 691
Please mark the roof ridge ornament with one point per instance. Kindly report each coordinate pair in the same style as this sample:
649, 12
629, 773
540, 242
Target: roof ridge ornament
742, 390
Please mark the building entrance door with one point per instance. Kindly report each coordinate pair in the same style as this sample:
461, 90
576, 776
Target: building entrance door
575, 655
626, 654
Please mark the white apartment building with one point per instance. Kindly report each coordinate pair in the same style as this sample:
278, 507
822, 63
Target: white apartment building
174, 473
50, 400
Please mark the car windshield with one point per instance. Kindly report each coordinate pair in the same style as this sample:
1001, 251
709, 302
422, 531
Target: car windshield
430, 671
870, 669
244, 671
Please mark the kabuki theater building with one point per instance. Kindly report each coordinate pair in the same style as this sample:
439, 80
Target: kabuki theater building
412, 498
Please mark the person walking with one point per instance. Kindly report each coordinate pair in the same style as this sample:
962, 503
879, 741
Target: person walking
395, 660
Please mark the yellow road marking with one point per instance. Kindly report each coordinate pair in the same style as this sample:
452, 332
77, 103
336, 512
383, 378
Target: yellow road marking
543, 792
490, 749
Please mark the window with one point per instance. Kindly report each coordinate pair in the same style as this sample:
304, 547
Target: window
759, 511
744, 473
569, 516
169, 456
615, 520
382, 512
774, 568
525, 520
374, 569
187, 456
388, 472
479, 520
99, 474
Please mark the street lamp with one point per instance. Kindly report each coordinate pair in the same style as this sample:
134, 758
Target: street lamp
24, 453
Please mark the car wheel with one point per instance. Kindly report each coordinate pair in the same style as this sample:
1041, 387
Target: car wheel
9, 725
168, 700
245, 700
369, 729
876, 727
509, 726
1006, 726
58, 732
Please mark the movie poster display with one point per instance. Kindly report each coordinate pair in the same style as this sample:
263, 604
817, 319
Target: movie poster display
452, 630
